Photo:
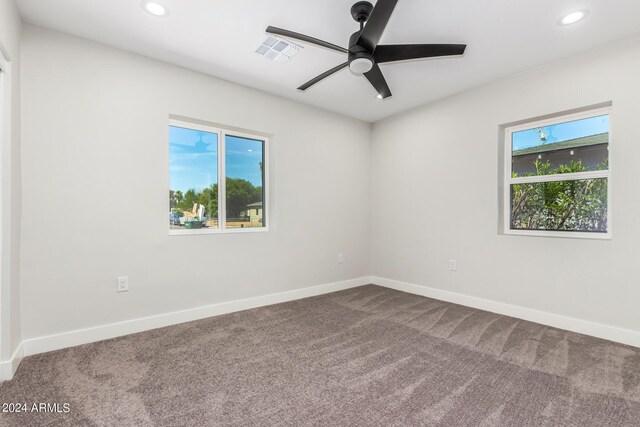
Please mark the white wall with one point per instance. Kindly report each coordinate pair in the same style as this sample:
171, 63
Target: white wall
95, 188
435, 195
10, 336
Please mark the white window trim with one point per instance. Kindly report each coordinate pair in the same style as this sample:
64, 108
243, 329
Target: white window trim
508, 180
222, 203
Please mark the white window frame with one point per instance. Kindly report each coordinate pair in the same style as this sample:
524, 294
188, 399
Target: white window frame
222, 202
509, 181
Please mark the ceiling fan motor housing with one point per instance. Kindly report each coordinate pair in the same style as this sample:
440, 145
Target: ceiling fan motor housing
360, 60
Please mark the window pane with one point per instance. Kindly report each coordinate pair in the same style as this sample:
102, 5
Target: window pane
193, 179
244, 160
579, 205
576, 146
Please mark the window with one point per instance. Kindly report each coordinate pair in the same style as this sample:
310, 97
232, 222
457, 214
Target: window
200, 200
557, 176
244, 160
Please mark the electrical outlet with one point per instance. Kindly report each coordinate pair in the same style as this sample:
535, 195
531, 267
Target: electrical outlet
340, 258
123, 284
453, 265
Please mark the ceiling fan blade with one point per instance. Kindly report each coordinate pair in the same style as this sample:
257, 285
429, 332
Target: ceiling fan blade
302, 37
377, 80
376, 24
324, 75
401, 52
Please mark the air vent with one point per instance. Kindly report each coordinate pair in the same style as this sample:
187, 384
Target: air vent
278, 50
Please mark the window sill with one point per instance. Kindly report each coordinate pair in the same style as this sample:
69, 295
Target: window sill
559, 234
218, 231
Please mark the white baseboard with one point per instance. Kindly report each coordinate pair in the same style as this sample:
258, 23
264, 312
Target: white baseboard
53, 342
9, 367
586, 327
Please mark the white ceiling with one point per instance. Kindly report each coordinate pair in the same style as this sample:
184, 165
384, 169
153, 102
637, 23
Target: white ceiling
218, 37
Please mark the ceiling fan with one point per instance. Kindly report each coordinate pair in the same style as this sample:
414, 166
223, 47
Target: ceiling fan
364, 53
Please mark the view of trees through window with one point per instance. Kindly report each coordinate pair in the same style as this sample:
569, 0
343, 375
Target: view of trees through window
543, 195
194, 192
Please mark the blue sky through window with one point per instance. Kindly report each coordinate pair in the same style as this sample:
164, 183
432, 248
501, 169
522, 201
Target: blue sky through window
243, 158
193, 159
560, 132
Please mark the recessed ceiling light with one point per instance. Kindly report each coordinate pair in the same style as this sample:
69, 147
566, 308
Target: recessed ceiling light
154, 8
379, 96
573, 17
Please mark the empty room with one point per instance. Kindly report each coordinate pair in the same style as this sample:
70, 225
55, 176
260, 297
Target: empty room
329, 213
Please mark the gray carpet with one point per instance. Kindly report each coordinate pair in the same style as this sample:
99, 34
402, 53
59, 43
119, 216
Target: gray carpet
365, 356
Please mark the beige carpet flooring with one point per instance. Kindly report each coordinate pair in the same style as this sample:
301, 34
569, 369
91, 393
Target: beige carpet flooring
365, 356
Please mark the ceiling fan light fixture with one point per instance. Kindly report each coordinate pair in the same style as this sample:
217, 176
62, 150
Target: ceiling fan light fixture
573, 17
361, 65
154, 8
